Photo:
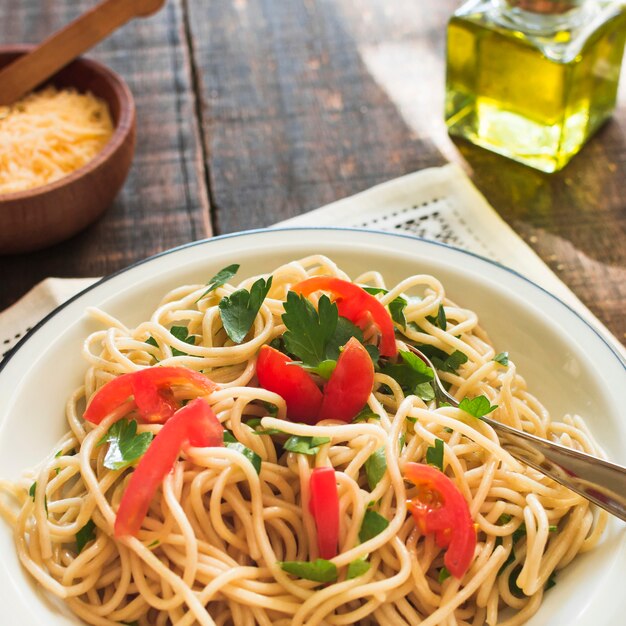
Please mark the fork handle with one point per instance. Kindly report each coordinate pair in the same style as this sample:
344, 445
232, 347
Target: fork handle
604, 482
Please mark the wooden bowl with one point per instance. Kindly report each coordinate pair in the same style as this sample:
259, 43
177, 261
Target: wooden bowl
42, 216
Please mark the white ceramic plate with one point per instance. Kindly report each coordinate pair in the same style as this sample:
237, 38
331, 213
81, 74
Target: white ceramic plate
566, 363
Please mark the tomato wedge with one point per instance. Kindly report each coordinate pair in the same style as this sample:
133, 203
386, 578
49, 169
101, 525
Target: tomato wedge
324, 506
353, 302
350, 384
291, 383
440, 508
195, 425
151, 389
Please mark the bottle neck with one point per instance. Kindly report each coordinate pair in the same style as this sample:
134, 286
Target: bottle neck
544, 16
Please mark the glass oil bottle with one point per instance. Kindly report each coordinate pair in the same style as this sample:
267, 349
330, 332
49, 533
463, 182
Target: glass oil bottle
533, 79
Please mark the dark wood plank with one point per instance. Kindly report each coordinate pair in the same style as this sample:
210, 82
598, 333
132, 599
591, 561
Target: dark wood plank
164, 201
308, 101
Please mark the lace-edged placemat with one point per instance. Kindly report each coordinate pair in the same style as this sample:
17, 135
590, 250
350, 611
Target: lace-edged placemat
439, 204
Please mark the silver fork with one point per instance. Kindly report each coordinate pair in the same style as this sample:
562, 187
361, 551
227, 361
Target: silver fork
600, 481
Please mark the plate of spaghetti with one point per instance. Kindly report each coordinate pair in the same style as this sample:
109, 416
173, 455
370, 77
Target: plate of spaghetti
235, 432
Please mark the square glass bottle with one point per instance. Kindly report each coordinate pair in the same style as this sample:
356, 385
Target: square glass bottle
533, 79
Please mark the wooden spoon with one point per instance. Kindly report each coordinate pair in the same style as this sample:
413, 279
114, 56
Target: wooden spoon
30, 70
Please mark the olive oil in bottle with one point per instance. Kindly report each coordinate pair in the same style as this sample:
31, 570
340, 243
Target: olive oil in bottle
533, 79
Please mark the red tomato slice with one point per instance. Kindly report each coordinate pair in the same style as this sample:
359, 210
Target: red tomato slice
324, 506
440, 508
350, 384
194, 424
357, 305
147, 381
291, 383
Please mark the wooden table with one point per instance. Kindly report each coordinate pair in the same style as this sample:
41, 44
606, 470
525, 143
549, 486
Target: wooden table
252, 111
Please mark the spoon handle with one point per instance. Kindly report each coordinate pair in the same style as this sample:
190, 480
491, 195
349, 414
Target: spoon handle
24, 74
604, 483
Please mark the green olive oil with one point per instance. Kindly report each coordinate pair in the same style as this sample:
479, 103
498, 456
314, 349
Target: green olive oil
533, 86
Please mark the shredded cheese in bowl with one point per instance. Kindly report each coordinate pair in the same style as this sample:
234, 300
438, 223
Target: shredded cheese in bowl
49, 134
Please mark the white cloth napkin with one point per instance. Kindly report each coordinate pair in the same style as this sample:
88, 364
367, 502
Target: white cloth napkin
440, 204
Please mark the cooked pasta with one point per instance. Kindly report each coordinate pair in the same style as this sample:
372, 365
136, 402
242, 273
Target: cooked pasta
217, 535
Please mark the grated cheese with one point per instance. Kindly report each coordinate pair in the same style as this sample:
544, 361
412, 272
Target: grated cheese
49, 134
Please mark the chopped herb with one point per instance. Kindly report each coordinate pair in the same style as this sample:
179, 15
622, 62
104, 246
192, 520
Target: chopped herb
308, 331
151, 341
305, 445
154, 544
58, 454
85, 535
375, 467
409, 373
502, 358
446, 428
252, 456
434, 454
451, 362
344, 330
253, 422
365, 414
232, 443
182, 333
443, 574
239, 310
324, 368
268, 431
478, 406
553, 529
125, 445
373, 524
320, 570
505, 518
357, 568
396, 306
513, 588
425, 391
551, 581
223, 276
519, 533
31, 493
440, 320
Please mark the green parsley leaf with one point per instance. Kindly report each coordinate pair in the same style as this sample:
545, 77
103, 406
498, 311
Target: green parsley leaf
513, 588
409, 373
443, 574
252, 456
324, 369
223, 276
365, 414
31, 493
305, 445
434, 454
553, 528
356, 568
396, 306
477, 406
451, 362
125, 445
440, 320
425, 391
85, 535
373, 524
375, 467
505, 518
344, 330
502, 358
519, 533
239, 310
152, 341
320, 570
551, 581
228, 437
154, 544
308, 331
182, 333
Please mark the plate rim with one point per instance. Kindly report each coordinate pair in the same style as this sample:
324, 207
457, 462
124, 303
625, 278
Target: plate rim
19, 345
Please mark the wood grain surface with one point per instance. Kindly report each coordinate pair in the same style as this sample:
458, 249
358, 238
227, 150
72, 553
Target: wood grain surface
253, 111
